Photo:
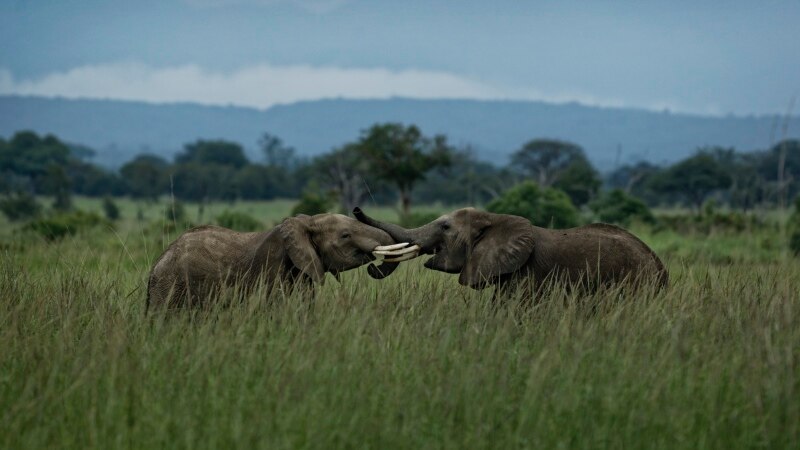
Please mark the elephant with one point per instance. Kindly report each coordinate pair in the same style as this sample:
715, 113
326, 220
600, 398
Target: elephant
300, 250
505, 250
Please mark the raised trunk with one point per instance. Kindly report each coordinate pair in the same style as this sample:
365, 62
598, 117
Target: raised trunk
398, 233
425, 236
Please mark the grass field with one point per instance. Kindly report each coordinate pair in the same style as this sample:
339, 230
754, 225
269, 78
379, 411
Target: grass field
413, 361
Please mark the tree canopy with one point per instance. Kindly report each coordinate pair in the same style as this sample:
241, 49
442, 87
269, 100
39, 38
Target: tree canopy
693, 178
543, 206
402, 156
544, 160
219, 152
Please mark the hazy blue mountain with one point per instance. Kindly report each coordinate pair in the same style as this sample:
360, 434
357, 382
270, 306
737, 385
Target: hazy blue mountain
119, 129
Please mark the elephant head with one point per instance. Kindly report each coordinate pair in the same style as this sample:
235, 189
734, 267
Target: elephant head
480, 246
336, 243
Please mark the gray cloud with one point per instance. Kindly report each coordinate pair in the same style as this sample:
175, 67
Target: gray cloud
258, 86
264, 85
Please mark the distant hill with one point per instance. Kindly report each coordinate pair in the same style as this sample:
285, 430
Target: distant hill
117, 130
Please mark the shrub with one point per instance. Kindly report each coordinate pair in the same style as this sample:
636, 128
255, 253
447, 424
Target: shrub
414, 220
20, 206
311, 203
794, 241
110, 209
175, 212
794, 228
794, 218
62, 201
711, 221
620, 208
238, 221
65, 224
542, 206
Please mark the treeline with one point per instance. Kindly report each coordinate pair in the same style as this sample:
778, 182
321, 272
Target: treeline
392, 163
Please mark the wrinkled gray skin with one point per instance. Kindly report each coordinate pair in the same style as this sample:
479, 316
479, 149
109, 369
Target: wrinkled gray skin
299, 250
504, 250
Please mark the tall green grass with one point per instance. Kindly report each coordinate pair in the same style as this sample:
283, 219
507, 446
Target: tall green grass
413, 361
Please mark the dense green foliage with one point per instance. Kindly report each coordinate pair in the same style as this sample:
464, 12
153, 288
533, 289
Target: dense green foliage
312, 203
559, 164
19, 206
239, 221
617, 207
544, 207
61, 225
391, 163
710, 220
413, 361
110, 209
694, 178
417, 219
145, 176
794, 228
402, 156
174, 211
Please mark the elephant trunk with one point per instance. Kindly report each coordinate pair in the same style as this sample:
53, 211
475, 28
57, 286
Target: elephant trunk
382, 271
385, 268
398, 233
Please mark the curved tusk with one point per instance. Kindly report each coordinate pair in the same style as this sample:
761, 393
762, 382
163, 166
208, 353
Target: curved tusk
413, 248
390, 247
405, 257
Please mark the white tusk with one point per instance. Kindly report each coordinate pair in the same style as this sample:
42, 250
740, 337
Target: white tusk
390, 247
413, 248
405, 257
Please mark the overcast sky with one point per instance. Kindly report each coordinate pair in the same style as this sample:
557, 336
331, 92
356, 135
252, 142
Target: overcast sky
704, 57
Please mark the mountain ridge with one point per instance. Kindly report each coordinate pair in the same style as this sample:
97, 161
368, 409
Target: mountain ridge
119, 129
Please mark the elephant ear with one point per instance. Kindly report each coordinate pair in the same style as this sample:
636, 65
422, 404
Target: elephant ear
296, 234
502, 247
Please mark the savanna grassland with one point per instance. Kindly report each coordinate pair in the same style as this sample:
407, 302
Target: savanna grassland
413, 361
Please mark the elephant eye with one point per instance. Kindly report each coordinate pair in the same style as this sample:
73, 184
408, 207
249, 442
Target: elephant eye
345, 235
445, 226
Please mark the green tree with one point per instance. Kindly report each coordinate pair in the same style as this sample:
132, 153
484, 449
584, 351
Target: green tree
19, 206
219, 152
579, 180
780, 167
32, 159
542, 206
145, 176
747, 186
544, 160
344, 171
202, 182
239, 221
402, 156
57, 183
90, 180
257, 182
466, 181
276, 153
110, 209
312, 203
617, 207
693, 178
635, 179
